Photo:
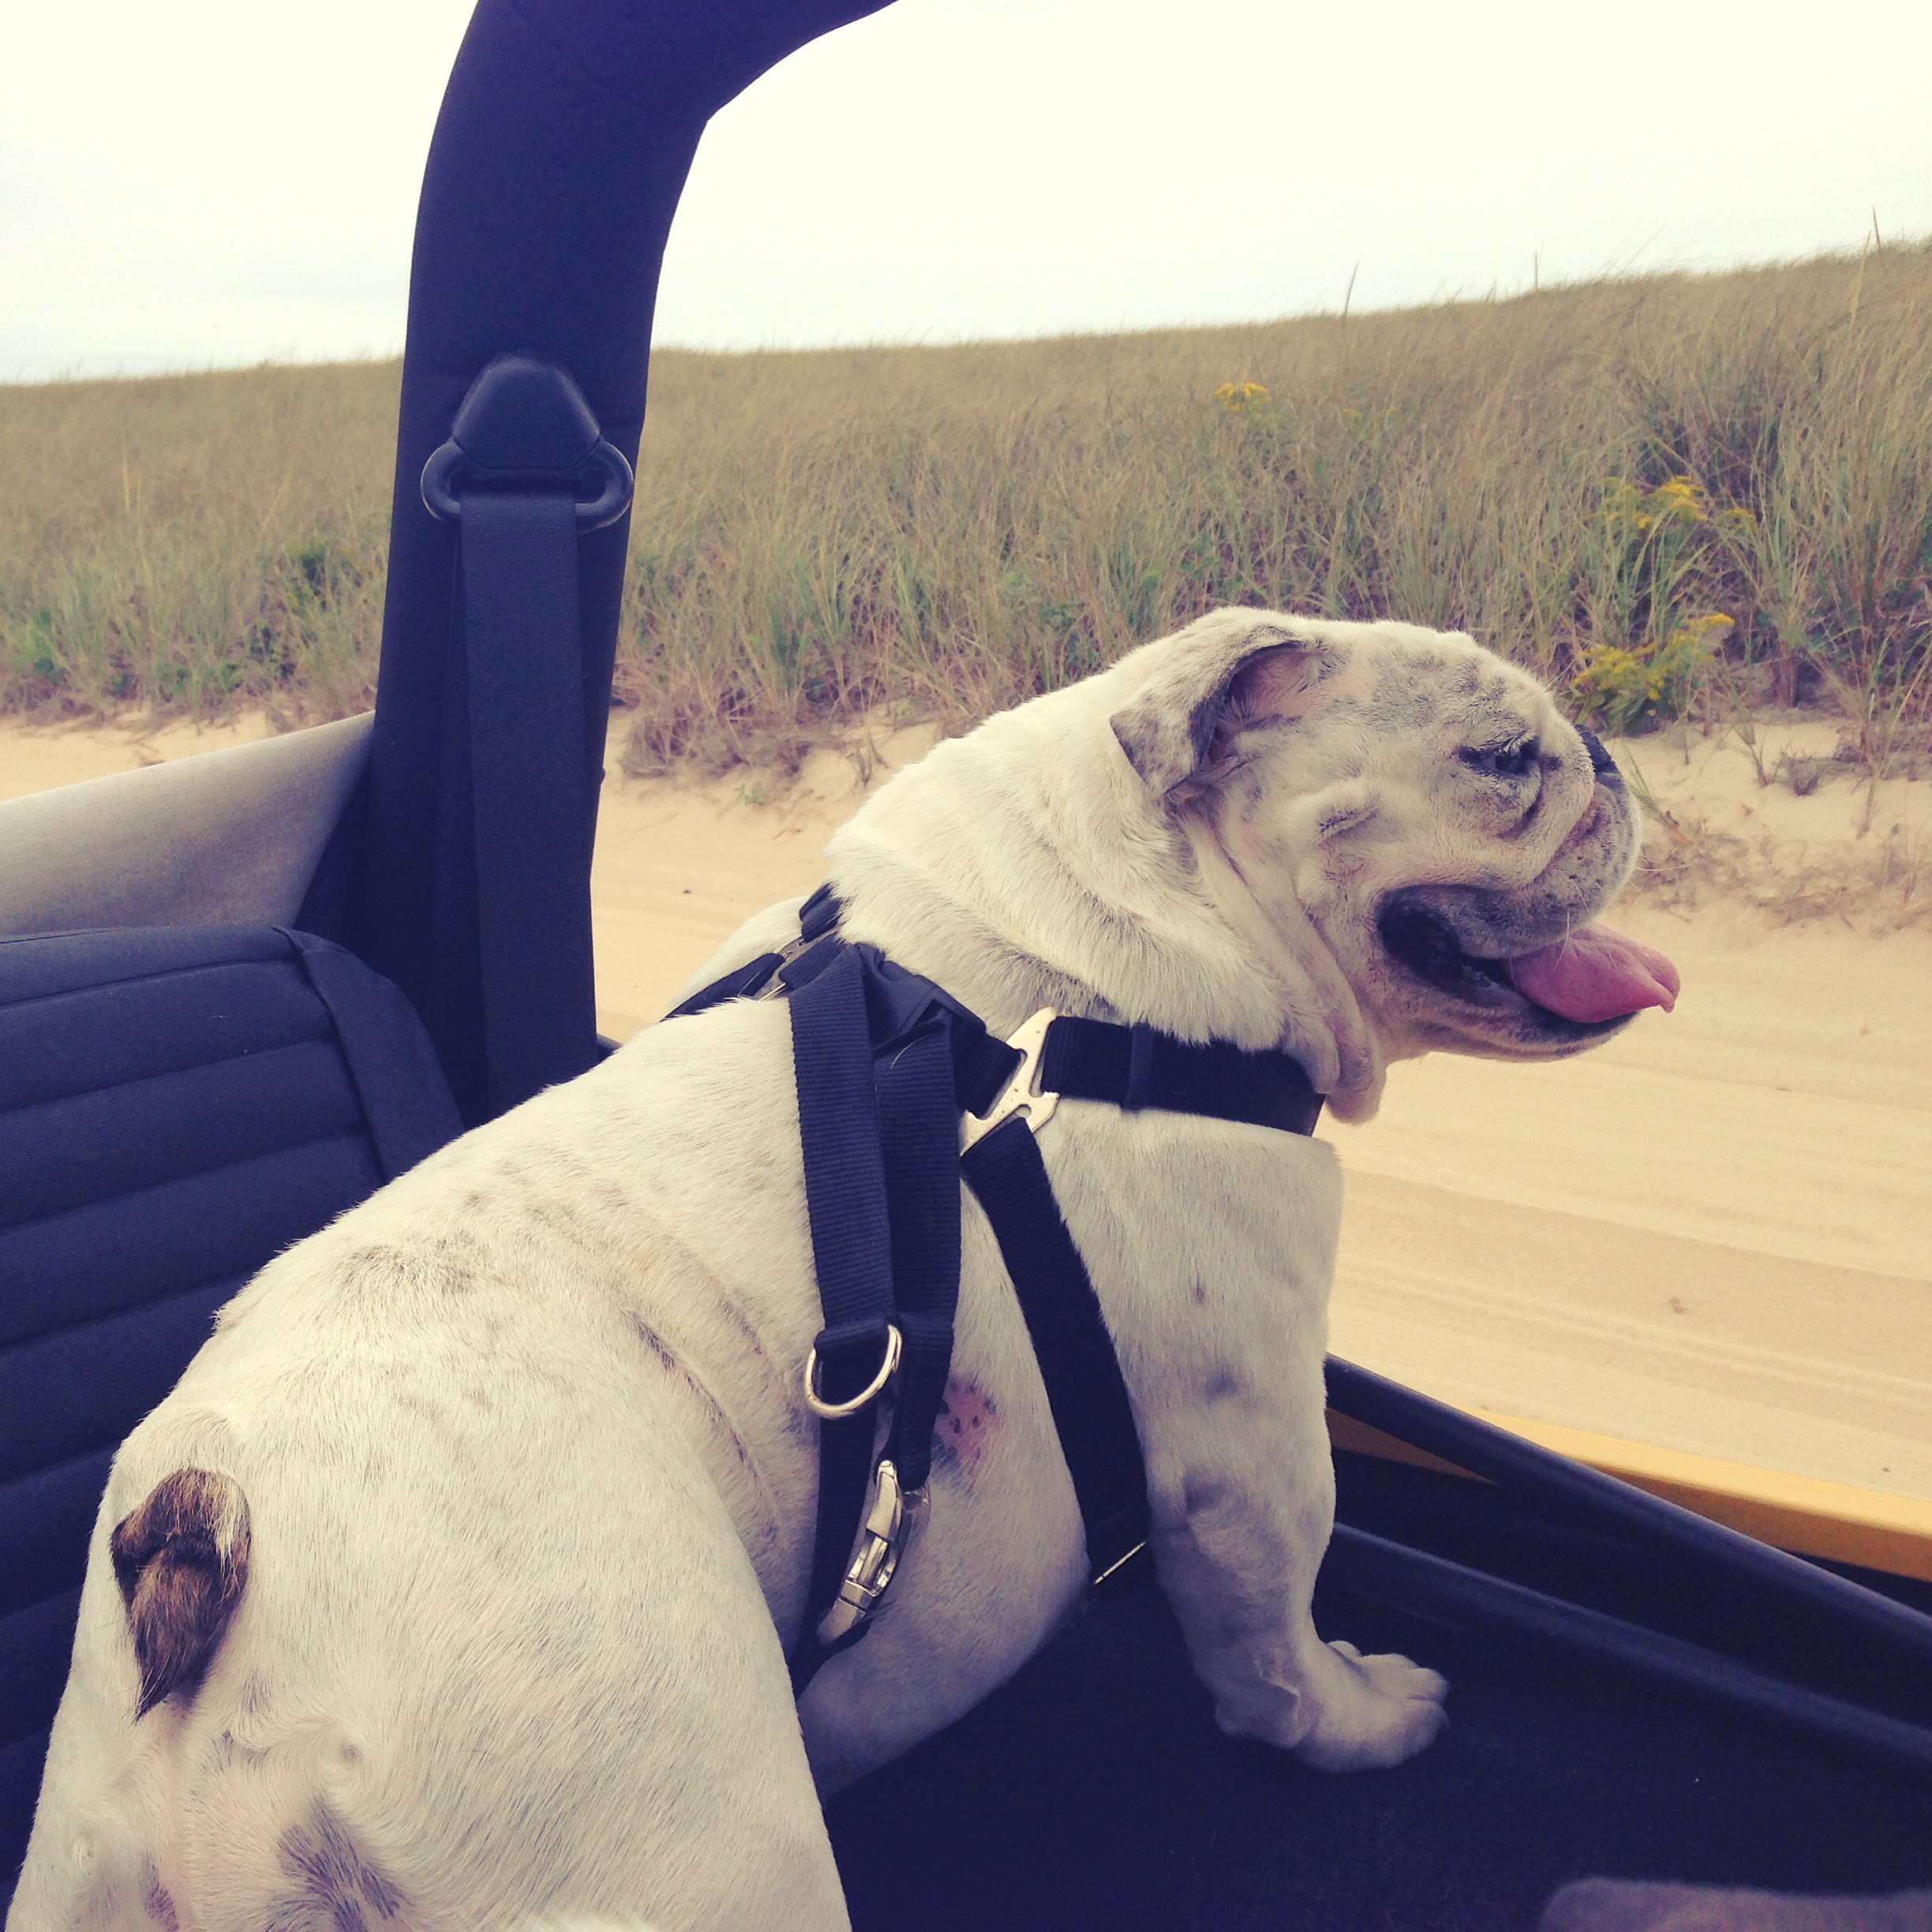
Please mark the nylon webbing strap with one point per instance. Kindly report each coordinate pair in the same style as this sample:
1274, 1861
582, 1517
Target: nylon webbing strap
524, 663
817, 916
845, 1201
1139, 1067
1084, 1388
893, 1138
918, 1121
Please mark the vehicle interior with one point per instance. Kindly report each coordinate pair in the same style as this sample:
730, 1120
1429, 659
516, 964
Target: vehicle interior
240, 992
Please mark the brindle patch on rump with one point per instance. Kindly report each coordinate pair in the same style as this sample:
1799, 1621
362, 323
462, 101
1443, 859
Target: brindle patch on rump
181, 1560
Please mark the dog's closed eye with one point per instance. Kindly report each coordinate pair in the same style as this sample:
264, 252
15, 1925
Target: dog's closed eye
1339, 818
1517, 760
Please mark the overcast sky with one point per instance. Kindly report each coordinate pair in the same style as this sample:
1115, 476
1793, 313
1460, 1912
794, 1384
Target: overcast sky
213, 182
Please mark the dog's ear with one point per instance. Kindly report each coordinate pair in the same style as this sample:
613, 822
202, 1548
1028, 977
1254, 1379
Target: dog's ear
1229, 668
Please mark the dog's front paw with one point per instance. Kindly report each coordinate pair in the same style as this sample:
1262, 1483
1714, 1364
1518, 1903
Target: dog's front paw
1371, 1711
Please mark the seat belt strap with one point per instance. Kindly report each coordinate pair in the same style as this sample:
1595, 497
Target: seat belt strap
515, 1009
523, 659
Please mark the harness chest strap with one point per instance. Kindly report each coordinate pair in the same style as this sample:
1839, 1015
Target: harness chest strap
887, 1064
1092, 1415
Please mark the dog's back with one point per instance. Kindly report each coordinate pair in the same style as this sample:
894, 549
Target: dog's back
417, 1603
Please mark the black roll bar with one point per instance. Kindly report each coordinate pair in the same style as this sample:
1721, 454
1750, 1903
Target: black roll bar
565, 135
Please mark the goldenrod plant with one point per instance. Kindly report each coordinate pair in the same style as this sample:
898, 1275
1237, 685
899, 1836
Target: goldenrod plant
1624, 687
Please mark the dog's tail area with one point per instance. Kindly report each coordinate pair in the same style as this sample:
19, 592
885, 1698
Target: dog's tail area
182, 1560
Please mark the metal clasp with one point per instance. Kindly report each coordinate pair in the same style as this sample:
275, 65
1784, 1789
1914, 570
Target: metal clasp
895, 1514
1020, 1094
775, 987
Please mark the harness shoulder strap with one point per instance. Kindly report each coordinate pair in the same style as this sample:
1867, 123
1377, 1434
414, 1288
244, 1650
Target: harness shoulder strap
845, 1202
818, 918
874, 1050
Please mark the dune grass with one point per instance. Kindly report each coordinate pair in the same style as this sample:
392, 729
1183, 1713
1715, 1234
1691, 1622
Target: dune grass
1671, 494
181, 544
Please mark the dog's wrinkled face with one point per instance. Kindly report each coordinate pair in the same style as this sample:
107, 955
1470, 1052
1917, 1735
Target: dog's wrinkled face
1425, 806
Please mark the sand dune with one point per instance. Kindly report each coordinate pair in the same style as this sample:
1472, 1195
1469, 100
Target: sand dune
1714, 1234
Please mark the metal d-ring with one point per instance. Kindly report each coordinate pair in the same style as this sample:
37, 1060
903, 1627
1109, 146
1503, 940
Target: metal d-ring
837, 1412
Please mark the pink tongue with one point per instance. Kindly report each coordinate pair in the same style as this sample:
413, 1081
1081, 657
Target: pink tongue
1596, 974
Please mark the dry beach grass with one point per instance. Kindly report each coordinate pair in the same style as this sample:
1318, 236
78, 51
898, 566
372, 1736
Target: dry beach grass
1672, 494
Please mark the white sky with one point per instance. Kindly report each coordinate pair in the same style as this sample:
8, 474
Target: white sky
212, 182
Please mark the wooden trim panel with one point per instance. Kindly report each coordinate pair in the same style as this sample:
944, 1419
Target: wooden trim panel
1799, 1512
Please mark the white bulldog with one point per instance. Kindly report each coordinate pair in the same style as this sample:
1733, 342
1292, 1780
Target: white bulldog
450, 1587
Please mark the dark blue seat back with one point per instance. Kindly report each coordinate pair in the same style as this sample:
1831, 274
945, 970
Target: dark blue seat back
177, 1105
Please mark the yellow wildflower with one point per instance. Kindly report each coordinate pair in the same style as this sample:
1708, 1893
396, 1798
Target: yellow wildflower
1623, 685
1235, 397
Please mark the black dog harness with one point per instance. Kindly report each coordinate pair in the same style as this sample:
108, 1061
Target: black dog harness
888, 1065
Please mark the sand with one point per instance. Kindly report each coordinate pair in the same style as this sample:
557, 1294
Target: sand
1713, 1234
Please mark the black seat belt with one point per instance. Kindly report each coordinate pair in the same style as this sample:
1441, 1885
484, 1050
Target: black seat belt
525, 473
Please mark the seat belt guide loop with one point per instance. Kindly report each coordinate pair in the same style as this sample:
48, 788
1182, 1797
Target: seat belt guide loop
525, 425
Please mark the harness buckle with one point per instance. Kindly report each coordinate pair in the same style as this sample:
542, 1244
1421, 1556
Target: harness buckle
793, 950
1020, 1094
895, 1513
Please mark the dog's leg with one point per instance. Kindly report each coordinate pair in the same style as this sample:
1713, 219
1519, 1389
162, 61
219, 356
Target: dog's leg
1244, 1502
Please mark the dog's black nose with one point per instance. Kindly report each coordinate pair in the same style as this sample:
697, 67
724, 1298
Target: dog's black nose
1601, 762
